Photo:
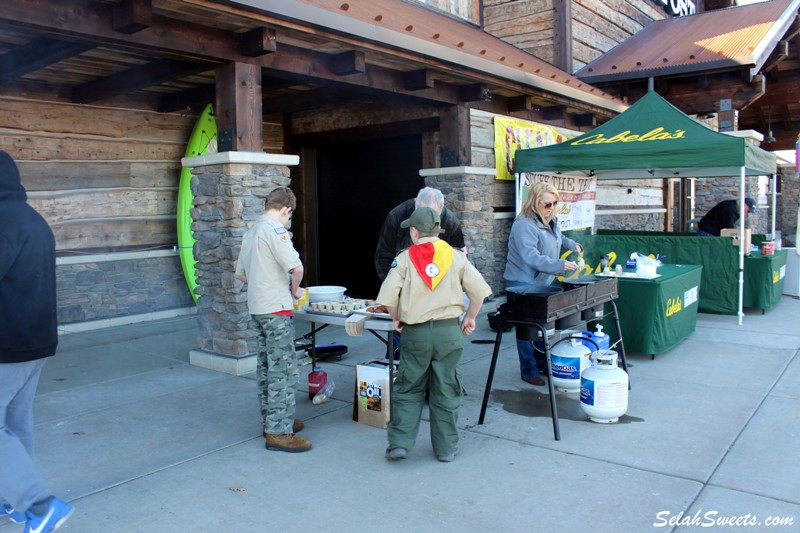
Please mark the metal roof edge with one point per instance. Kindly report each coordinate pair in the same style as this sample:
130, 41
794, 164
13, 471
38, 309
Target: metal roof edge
318, 16
665, 71
768, 43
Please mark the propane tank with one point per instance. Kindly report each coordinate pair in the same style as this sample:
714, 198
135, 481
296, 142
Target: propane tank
604, 389
569, 359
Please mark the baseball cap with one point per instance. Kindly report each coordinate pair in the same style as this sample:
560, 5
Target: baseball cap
751, 203
425, 219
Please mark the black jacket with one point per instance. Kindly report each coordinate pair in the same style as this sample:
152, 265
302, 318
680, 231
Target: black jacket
394, 239
723, 215
28, 309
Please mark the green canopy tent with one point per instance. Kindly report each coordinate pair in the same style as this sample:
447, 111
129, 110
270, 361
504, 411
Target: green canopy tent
654, 139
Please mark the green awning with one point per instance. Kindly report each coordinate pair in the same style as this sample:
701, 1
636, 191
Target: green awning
651, 139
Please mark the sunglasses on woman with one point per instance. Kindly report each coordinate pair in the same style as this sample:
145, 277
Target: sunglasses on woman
548, 205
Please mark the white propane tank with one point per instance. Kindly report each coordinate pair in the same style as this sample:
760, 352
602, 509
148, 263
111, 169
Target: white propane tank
569, 359
604, 389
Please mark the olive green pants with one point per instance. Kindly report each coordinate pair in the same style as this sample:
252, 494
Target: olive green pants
430, 356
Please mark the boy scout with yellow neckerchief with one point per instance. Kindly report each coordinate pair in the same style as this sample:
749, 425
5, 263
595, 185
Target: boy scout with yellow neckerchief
424, 295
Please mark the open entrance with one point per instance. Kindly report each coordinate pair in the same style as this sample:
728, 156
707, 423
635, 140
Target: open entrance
357, 185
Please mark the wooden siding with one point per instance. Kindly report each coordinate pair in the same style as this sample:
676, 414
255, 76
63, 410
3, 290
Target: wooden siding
104, 177
469, 10
597, 25
600, 25
527, 24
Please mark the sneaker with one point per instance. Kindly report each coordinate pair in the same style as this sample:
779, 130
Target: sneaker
449, 458
288, 442
297, 426
396, 454
17, 517
56, 515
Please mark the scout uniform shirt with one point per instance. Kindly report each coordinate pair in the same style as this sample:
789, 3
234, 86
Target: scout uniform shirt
266, 257
412, 293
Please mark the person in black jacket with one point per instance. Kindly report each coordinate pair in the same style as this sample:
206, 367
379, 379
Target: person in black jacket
723, 215
394, 239
28, 336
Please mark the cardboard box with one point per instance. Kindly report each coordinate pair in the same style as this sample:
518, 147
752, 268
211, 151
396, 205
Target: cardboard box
372, 398
734, 234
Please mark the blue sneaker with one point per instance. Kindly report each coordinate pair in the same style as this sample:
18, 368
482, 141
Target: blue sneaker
56, 514
16, 516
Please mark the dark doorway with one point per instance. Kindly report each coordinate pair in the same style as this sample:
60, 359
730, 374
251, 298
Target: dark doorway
358, 184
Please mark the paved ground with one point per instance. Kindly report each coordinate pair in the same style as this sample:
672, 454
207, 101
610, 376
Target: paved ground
141, 441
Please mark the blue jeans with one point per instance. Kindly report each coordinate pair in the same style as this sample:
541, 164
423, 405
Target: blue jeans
532, 360
21, 484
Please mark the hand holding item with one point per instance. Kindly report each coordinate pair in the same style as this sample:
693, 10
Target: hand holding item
570, 265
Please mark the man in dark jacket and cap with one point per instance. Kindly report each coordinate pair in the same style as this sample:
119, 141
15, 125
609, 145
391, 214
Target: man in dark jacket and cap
723, 215
28, 336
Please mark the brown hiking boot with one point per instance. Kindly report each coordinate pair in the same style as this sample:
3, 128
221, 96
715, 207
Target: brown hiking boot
288, 442
297, 426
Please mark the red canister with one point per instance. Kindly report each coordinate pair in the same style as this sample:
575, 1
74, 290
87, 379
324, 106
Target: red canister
317, 379
767, 248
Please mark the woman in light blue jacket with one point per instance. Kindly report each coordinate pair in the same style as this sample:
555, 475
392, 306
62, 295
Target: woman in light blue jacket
534, 247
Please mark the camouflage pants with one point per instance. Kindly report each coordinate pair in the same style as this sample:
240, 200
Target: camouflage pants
277, 372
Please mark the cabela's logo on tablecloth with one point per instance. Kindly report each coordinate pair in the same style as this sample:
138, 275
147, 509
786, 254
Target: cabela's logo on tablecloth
658, 134
674, 305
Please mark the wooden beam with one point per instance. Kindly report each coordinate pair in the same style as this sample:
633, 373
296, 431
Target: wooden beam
36, 55
416, 80
584, 119
258, 42
556, 112
562, 34
346, 63
685, 94
780, 53
520, 103
153, 73
367, 133
238, 108
454, 136
192, 98
475, 92
131, 16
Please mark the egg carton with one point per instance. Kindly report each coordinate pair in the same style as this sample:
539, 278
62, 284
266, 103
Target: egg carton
343, 306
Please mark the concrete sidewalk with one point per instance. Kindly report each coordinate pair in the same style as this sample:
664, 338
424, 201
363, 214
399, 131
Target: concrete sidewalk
138, 440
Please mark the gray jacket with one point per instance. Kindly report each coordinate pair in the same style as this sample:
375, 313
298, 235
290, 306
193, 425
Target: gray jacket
533, 252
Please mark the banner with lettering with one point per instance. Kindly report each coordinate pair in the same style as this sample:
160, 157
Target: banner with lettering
512, 134
577, 197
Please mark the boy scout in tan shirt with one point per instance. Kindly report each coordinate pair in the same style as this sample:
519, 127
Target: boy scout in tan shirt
424, 295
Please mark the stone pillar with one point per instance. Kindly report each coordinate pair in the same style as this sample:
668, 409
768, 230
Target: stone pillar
467, 191
229, 190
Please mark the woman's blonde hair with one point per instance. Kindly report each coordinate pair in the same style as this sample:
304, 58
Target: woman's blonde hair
535, 196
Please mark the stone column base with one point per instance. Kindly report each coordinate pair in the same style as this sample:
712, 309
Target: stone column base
235, 365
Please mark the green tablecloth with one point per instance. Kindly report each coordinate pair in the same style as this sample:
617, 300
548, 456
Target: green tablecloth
719, 292
656, 314
763, 279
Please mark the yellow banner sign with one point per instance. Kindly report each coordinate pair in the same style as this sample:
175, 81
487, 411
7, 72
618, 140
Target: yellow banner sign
512, 134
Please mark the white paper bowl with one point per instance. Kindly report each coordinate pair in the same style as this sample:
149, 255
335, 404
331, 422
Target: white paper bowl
323, 293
